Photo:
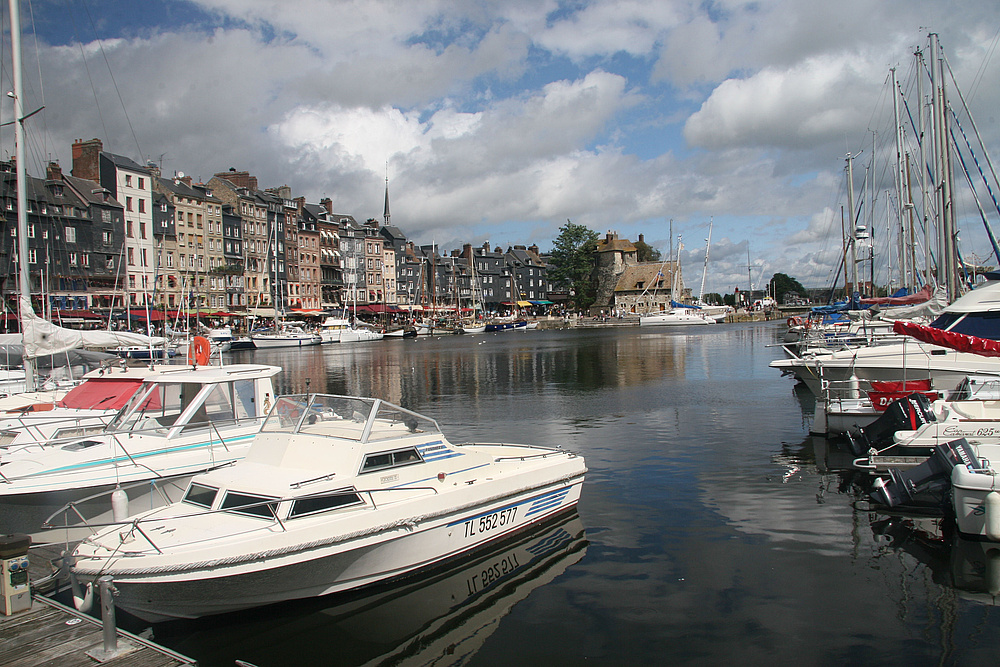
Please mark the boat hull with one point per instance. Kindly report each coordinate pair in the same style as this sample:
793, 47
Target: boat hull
265, 341
395, 550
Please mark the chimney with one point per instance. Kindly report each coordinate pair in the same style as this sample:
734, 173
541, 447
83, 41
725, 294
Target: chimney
53, 172
241, 179
327, 203
533, 248
186, 180
300, 203
641, 239
486, 247
86, 159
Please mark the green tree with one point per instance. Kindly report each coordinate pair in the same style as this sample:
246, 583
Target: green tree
646, 252
572, 263
782, 285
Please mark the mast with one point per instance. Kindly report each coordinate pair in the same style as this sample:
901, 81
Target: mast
704, 271
24, 280
922, 170
900, 177
851, 229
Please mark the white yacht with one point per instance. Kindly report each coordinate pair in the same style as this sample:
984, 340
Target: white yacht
289, 335
336, 493
976, 313
674, 317
341, 330
86, 408
180, 422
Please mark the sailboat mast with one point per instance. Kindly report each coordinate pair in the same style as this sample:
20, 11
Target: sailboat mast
850, 228
704, 271
24, 302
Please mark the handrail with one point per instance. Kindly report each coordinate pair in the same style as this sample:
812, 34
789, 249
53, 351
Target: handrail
230, 510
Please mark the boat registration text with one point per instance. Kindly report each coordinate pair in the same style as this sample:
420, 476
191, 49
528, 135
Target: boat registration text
489, 522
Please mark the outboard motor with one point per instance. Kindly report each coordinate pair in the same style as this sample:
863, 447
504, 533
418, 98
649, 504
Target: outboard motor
927, 484
904, 414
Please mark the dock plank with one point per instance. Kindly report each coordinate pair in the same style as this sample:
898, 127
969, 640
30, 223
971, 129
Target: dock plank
53, 634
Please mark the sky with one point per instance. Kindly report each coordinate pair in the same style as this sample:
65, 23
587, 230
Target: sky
499, 121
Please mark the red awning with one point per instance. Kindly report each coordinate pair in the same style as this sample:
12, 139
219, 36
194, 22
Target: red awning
82, 314
955, 341
100, 394
140, 314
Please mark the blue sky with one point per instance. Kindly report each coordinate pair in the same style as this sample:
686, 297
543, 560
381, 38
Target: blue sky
500, 120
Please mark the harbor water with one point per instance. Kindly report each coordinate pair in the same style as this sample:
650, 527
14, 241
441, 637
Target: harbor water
711, 529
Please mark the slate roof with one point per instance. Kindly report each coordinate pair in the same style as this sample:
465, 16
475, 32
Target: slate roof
645, 273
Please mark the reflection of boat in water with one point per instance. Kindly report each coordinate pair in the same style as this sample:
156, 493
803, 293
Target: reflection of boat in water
971, 567
440, 617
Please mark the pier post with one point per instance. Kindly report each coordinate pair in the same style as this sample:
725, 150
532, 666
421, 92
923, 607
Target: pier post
110, 648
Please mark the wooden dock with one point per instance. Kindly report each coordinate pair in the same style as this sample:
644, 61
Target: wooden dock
53, 634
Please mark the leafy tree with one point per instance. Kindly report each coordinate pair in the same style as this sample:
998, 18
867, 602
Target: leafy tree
646, 252
713, 298
572, 263
782, 285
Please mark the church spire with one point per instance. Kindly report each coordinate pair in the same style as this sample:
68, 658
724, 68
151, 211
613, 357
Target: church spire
386, 213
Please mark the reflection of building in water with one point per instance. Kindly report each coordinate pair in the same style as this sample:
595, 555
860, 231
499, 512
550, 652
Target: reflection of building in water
441, 617
411, 372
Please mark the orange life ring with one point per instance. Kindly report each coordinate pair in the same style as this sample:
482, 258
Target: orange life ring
199, 351
794, 321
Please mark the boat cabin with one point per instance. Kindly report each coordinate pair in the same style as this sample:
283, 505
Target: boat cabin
178, 402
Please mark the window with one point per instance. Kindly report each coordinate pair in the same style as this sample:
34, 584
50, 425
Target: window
142, 230
107, 237
142, 183
72, 259
200, 495
142, 206
145, 258
129, 230
131, 262
170, 259
86, 259
250, 505
32, 256
128, 203
314, 505
128, 180
390, 459
70, 234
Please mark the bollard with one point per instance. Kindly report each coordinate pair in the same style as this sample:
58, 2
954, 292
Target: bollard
108, 614
110, 648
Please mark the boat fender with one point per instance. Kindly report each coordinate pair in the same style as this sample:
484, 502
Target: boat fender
441, 476
83, 596
793, 321
993, 571
992, 519
119, 505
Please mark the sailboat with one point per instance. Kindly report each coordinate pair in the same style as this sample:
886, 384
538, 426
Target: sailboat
283, 334
678, 315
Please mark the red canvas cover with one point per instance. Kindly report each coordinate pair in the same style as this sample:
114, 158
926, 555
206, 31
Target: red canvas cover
882, 399
911, 385
100, 394
955, 341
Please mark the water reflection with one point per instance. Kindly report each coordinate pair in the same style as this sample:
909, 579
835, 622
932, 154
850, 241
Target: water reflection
440, 618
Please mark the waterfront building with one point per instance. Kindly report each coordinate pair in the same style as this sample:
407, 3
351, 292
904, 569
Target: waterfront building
168, 292
131, 185
75, 238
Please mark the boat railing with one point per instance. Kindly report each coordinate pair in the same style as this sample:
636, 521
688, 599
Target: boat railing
216, 438
545, 453
137, 523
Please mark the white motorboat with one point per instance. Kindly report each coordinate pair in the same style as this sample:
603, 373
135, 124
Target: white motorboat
674, 317
180, 422
473, 329
974, 314
341, 330
86, 408
290, 335
336, 493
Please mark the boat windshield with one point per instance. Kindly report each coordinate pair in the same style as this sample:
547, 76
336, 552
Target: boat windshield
354, 418
156, 407
980, 324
